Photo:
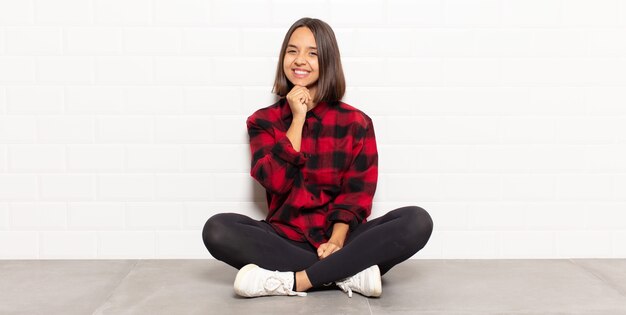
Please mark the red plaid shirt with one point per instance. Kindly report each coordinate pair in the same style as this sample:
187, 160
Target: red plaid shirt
332, 178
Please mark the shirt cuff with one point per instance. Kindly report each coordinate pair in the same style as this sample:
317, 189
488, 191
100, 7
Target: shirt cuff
344, 216
284, 150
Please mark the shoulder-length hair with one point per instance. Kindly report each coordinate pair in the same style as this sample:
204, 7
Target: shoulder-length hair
331, 84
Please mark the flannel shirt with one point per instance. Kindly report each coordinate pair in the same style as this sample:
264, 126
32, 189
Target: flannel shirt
331, 179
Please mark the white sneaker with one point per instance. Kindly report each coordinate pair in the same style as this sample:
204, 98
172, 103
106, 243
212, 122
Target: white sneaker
366, 282
253, 280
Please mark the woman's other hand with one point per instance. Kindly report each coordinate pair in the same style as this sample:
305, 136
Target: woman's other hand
327, 249
298, 99
335, 243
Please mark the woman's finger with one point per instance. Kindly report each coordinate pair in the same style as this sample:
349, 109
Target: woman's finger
330, 249
320, 250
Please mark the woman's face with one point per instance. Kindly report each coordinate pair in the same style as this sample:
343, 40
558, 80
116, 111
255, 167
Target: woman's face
300, 63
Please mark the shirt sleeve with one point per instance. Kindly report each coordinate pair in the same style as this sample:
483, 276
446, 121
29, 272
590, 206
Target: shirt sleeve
354, 202
275, 162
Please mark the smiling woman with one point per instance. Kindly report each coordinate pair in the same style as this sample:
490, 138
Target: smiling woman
310, 47
300, 63
316, 156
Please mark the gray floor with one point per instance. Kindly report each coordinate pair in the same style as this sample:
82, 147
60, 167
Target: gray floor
579, 286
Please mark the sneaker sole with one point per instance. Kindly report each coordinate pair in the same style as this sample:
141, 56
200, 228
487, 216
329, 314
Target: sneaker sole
376, 283
240, 278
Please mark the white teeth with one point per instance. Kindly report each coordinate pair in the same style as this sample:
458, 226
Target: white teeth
301, 72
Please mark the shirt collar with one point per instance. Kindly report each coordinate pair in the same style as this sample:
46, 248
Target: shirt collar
318, 111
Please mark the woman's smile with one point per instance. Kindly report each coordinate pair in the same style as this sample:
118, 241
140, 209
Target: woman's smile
300, 73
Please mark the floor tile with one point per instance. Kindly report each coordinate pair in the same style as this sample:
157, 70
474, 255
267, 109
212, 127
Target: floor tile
58, 286
495, 287
206, 287
612, 271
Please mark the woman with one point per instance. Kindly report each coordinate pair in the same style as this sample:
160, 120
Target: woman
316, 156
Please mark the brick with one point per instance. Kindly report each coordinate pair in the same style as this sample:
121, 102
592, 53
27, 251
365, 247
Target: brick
28, 158
188, 70
217, 158
154, 158
182, 12
556, 216
584, 244
4, 216
424, 187
34, 40
153, 100
560, 43
232, 187
67, 187
180, 244
126, 244
124, 69
528, 187
57, 12
93, 99
243, 71
228, 129
471, 72
123, 12
152, 40
526, 244
35, 100
184, 129
125, 129
87, 158
14, 187
257, 13
93, 40
283, 14
154, 216
126, 187
578, 13
526, 13
480, 13
495, 43
410, 71
17, 69
65, 129
16, 12
38, 216
371, 13
407, 13
68, 245
213, 100
19, 244
584, 187
493, 216
65, 69
474, 244
471, 187
184, 187
227, 41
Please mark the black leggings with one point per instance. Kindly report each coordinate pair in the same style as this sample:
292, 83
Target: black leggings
385, 241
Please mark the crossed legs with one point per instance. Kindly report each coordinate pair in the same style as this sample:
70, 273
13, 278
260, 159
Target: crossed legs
385, 241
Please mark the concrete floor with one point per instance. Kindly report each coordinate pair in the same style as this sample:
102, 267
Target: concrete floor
578, 286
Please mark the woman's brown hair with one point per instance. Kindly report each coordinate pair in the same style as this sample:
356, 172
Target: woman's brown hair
331, 84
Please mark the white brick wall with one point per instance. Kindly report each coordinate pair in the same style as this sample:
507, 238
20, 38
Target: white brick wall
122, 123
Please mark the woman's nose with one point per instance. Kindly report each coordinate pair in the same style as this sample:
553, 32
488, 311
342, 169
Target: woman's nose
300, 59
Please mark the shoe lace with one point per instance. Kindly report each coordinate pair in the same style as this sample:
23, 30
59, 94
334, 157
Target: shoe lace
345, 285
276, 282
